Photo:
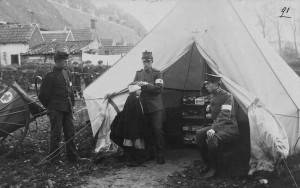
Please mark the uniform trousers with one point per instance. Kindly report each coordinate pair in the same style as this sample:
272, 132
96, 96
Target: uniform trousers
62, 120
211, 150
155, 140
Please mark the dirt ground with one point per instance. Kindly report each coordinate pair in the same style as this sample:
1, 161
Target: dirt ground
148, 175
181, 168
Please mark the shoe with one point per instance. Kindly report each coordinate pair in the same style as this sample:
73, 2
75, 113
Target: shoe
160, 159
209, 174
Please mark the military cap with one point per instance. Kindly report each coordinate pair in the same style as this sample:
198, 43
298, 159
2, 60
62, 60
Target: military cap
213, 78
60, 55
147, 55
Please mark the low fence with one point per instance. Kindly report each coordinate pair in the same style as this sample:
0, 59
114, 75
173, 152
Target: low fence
25, 75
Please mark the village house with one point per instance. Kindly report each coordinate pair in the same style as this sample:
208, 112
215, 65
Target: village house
16, 39
83, 45
74, 41
44, 53
87, 34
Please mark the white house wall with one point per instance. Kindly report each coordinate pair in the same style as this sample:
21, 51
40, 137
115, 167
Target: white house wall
11, 49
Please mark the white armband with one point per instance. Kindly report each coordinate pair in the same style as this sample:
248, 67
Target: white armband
159, 81
226, 107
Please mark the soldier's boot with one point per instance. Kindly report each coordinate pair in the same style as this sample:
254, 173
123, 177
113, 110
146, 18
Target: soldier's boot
160, 158
212, 145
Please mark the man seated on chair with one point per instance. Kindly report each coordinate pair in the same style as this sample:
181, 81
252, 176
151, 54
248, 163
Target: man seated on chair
224, 128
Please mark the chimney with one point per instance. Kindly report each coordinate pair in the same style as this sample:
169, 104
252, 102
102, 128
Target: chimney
93, 23
31, 16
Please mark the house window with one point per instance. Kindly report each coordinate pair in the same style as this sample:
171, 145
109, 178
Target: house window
106, 52
4, 58
15, 59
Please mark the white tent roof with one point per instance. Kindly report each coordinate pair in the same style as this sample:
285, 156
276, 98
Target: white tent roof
215, 29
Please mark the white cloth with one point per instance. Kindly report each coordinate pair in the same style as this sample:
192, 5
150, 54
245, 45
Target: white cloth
106, 59
269, 141
133, 88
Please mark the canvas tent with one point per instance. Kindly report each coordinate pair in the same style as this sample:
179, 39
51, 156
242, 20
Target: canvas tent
212, 32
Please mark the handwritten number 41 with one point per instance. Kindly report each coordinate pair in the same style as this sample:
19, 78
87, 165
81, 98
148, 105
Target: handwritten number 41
284, 12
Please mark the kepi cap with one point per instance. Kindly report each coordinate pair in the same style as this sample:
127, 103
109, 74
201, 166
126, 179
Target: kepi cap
213, 78
147, 55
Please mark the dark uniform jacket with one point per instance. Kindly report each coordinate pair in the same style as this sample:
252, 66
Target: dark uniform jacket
223, 114
56, 92
151, 94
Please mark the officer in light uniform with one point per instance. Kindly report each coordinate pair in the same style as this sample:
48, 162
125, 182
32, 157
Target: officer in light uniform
151, 82
224, 128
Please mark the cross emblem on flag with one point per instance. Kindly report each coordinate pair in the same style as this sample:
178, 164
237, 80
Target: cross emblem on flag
6, 97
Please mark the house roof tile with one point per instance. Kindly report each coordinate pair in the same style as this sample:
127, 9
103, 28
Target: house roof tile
82, 34
15, 33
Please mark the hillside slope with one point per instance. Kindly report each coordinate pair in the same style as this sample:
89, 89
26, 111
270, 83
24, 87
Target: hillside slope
105, 29
54, 16
44, 13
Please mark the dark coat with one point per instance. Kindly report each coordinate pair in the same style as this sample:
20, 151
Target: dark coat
56, 92
151, 94
133, 119
223, 115
130, 123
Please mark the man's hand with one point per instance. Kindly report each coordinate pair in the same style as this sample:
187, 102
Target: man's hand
143, 83
208, 108
208, 116
210, 133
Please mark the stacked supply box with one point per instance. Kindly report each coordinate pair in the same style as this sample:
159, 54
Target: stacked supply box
193, 116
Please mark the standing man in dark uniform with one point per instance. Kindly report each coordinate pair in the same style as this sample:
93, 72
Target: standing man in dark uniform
57, 96
224, 128
151, 83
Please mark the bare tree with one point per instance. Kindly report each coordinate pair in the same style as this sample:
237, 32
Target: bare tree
262, 23
278, 37
294, 30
